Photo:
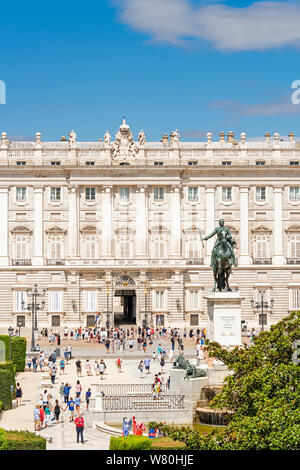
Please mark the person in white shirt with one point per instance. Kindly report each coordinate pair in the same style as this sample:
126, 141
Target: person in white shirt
171, 355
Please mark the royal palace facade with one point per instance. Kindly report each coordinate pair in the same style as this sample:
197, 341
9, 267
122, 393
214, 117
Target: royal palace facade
113, 229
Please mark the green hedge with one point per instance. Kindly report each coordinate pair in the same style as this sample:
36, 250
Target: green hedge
1, 406
18, 351
3, 440
24, 440
5, 392
130, 443
12, 370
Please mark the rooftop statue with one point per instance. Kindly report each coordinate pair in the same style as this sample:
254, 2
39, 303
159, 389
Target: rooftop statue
222, 256
124, 146
107, 138
72, 137
142, 138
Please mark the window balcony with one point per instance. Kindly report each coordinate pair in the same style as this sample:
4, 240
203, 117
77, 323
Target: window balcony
262, 260
293, 261
55, 262
21, 262
195, 261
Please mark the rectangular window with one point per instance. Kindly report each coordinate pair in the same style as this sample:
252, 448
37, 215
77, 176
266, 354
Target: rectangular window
261, 193
22, 247
260, 163
192, 162
159, 247
21, 194
194, 320
159, 299
90, 194
226, 194
294, 163
193, 247
55, 301
295, 246
296, 299
55, 194
90, 247
55, 247
158, 194
124, 194
194, 299
90, 163
261, 246
124, 247
226, 163
21, 296
158, 163
55, 163
90, 301
21, 163
294, 193
193, 194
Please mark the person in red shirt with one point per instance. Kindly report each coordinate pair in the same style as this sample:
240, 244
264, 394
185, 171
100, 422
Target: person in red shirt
42, 416
79, 423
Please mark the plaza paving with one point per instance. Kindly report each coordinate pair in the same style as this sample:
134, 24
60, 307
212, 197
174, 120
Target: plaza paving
63, 434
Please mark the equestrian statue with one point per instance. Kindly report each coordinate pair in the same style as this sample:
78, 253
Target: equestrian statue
222, 256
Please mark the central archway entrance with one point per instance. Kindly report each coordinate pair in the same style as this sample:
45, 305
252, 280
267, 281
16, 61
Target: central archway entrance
124, 301
125, 307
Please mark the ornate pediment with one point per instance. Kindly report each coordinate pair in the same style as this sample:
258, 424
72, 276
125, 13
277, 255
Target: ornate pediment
158, 229
89, 229
293, 228
191, 229
124, 281
21, 229
56, 229
261, 229
233, 230
123, 148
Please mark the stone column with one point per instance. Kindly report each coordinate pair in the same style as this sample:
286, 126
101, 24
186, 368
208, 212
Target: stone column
175, 220
107, 222
38, 252
210, 220
141, 221
278, 257
244, 226
4, 259
73, 223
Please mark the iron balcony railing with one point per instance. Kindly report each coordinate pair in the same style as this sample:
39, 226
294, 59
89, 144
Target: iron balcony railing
140, 402
124, 389
55, 262
262, 260
195, 261
293, 260
21, 262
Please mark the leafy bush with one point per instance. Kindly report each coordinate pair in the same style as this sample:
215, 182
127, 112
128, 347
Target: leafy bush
12, 370
24, 440
3, 440
1, 406
5, 392
165, 443
130, 443
18, 351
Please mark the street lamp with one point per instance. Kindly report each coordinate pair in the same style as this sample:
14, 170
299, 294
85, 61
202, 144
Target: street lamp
19, 325
261, 306
10, 332
34, 306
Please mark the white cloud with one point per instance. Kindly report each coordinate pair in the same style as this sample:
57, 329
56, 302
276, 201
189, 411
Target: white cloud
283, 107
259, 26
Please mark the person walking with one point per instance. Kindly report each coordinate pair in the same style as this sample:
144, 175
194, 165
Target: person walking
162, 363
57, 409
141, 368
102, 368
79, 423
71, 406
88, 394
61, 367
61, 392
78, 368
77, 402
29, 362
42, 415
147, 362
171, 355
67, 389
119, 364
53, 374
19, 394
78, 389
36, 418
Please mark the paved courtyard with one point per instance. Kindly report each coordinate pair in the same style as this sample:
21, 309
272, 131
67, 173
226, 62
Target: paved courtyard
63, 434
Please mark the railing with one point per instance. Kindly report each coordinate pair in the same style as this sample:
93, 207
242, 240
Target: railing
55, 262
262, 260
21, 262
293, 260
123, 389
195, 261
137, 402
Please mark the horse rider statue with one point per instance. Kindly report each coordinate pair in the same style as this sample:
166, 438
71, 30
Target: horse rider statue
222, 256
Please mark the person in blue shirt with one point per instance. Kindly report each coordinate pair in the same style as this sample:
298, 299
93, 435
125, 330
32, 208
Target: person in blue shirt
87, 398
77, 405
67, 389
71, 406
159, 349
62, 366
147, 362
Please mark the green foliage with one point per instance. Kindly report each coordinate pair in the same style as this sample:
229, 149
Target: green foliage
1, 406
263, 392
3, 440
12, 369
5, 392
130, 443
18, 351
165, 443
24, 440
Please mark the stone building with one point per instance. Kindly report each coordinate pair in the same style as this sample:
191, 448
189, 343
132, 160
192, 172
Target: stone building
113, 228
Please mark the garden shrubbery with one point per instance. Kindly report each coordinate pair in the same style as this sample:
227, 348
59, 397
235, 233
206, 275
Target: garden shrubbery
5, 391
130, 443
24, 440
18, 351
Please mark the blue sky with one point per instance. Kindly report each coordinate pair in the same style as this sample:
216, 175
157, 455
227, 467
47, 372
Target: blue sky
195, 65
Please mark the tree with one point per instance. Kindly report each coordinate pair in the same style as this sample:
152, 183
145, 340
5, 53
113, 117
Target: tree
262, 391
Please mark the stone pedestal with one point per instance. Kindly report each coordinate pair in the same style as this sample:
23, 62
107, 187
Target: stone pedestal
224, 318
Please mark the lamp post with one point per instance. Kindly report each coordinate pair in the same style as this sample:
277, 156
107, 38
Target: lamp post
19, 325
261, 305
10, 332
34, 306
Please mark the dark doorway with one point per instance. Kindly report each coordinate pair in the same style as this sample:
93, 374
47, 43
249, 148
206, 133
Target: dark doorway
126, 313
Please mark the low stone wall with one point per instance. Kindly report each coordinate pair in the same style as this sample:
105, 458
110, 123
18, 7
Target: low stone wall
183, 416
